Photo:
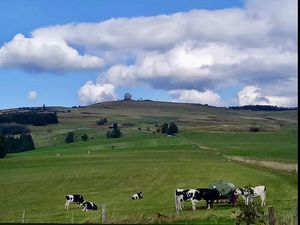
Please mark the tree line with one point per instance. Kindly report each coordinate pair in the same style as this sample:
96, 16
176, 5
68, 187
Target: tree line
15, 144
34, 118
13, 129
262, 108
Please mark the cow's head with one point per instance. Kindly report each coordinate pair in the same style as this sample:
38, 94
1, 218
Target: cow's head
140, 194
238, 191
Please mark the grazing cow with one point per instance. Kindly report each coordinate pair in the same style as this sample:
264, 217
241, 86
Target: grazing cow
78, 199
87, 206
253, 192
138, 195
195, 195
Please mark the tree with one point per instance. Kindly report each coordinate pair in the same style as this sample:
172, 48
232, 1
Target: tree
2, 147
84, 137
127, 96
172, 129
26, 143
115, 132
164, 128
70, 137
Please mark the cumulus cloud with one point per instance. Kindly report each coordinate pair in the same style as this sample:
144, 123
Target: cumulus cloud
32, 95
91, 93
197, 50
253, 95
43, 54
206, 66
194, 96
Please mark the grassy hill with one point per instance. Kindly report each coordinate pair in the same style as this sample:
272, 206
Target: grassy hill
201, 153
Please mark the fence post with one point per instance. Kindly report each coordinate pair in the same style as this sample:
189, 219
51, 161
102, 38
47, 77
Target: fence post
23, 216
271, 215
296, 216
103, 213
72, 221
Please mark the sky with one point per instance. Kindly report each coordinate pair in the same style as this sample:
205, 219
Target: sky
215, 52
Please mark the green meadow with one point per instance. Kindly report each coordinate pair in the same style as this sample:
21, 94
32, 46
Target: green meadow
37, 181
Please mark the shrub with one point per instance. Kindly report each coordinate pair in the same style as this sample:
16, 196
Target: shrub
172, 129
254, 129
251, 214
164, 128
102, 121
84, 137
115, 132
70, 137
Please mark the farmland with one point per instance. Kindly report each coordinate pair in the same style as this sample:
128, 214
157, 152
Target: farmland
156, 164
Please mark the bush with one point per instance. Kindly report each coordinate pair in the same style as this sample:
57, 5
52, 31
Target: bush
254, 129
164, 128
114, 133
70, 137
84, 137
172, 129
251, 214
102, 121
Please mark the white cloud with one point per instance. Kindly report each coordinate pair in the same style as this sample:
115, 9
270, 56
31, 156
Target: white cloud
194, 96
197, 50
192, 65
91, 93
43, 54
32, 95
253, 95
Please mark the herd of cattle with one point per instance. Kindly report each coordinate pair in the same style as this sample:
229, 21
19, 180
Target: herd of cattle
210, 195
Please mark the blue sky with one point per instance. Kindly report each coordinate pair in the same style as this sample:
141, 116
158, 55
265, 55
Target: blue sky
222, 53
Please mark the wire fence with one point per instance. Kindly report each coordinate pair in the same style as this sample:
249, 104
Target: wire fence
287, 214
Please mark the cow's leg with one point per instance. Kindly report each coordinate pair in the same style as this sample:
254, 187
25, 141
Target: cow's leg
251, 199
263, 200
176, 204
194, 204
67, 205
208, 203
246, 200
181, 205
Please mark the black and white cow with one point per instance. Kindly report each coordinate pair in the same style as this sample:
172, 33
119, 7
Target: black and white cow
195, 195
87, 206
249, 193
138, 195
77, 198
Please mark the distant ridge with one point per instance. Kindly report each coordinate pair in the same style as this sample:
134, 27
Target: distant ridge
262, 108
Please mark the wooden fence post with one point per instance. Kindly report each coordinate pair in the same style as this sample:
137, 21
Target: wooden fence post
23, 216
296, 216
271, 215
103, 213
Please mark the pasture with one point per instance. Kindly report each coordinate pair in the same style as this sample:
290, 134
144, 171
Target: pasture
38, 181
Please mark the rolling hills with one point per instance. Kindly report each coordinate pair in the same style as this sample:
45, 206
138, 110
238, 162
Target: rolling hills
204, 151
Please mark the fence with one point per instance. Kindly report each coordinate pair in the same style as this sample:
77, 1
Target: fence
271, 217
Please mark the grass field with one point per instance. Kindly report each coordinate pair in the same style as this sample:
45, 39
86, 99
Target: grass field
38, 181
